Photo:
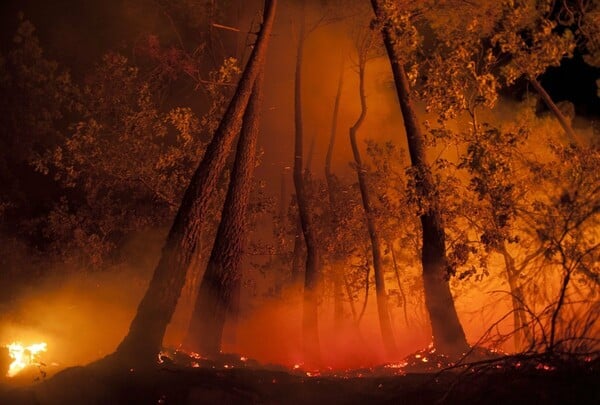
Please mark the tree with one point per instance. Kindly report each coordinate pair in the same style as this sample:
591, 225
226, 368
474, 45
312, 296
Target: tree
222, 274
331, 180
531, 40
310, 327
39, 97
448, 334
124, 166
363, 48
147, 329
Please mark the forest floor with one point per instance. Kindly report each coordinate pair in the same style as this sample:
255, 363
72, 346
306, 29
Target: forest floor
239, 381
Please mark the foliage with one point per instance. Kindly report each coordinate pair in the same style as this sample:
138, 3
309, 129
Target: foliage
128, 158
458, 74
38, 97
531, 40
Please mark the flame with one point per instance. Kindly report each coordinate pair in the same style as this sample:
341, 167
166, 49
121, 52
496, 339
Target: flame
23, 356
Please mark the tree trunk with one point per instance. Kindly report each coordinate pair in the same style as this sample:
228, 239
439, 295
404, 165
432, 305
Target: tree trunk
448, 334
334, 120
351, 300
387, 333
299, 255
185, 306
310, 329
554, 108
522, 333
338, 294
154, 312
399, 281
222, 271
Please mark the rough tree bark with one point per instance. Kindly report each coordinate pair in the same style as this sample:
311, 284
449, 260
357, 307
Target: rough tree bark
310, 328
216, 292
448, 334
338, 293
387, 333
144, 339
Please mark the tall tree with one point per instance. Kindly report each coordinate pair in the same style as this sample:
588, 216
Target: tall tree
310, 327
448, 334
338, 308
155, 310
222, 274
363, 47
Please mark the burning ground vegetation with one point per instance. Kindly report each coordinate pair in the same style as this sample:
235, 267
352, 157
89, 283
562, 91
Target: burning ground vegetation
479, 376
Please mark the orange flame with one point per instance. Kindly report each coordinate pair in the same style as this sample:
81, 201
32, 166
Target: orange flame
24, 356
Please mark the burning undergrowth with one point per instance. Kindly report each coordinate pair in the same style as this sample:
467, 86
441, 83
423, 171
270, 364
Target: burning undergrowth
478, 360
428, 361
480, 376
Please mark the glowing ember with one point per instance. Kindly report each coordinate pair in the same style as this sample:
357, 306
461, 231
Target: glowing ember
545, 367
195, 356
397, 365
23, 356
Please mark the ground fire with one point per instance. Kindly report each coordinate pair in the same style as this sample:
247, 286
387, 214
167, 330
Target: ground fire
24, 356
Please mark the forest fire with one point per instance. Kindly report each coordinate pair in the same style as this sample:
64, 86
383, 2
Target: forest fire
24, 356
308, 201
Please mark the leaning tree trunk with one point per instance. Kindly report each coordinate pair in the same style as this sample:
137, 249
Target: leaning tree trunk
338, 294
154, 312
310, 328
387, 333
554, 108
222, 273
448, 334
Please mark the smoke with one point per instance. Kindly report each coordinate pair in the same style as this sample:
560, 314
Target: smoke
81, 315
325, 48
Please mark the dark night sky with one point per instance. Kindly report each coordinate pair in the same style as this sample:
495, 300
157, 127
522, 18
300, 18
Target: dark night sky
575, 81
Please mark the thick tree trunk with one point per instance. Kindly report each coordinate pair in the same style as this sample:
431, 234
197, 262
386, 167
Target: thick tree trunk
185, 306
310, 329
554, 109
154, 312
448, 334
222, 273
387, 333
338, 294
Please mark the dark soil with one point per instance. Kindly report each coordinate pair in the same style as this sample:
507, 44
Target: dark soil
102, 383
